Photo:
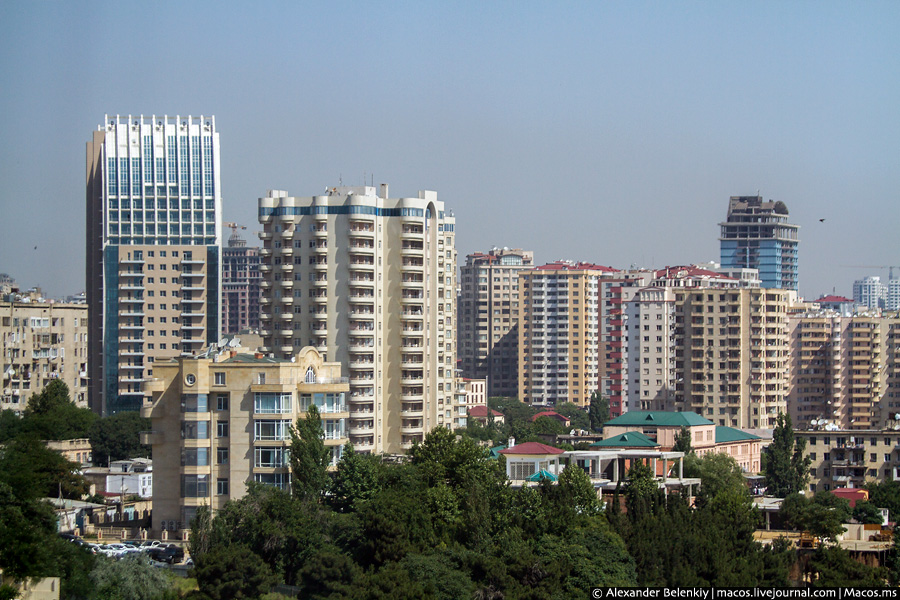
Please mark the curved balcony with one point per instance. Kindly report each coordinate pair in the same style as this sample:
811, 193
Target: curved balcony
361, 299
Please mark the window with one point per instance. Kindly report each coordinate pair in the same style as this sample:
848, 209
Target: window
272, 402
195, 430
195, 457
279, 480
221, 456
194, 486
221, 429
272, 430
222, 487
221, 401
219, 378
194, 402
271, 458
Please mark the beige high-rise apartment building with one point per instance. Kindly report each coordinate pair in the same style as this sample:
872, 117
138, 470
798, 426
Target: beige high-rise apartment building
153, 239
844, 370
487, 330
559, 332
370, 281
732, 354
42, 341
223, 421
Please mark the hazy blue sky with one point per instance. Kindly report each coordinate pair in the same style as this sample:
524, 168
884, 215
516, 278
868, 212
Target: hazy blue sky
611, 132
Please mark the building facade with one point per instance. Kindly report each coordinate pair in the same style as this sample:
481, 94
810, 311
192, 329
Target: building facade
42, 342
844, 370
241, 289
487, 308
850, 459
559, 332
731, 358
870, 292
757, 235
221, 422
153, 238
370, 281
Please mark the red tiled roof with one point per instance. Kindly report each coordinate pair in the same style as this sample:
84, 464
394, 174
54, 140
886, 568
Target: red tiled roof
833, 299
549, 413
532, 448
481, 411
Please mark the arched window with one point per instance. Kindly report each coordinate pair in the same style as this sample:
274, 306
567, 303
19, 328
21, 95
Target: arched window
310, 375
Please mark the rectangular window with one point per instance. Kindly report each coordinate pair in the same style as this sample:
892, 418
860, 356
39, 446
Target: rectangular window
195, 457
194, 486
195, 430
194, 403
221, 487
279, 480
272, 430
272, 402
221, 429
221, 456
221, 401
271, 458
219, 378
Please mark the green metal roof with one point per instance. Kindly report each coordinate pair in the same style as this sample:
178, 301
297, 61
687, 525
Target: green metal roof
730, 434
658, 418
630, 439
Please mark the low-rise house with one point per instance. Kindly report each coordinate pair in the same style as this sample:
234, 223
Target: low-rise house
480, 414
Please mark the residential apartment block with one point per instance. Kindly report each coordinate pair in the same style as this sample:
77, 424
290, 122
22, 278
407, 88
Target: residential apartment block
41, 342
370, 281
732, 354
153, 266
757, 235
223, 421
487, 330
844, 370
559, 332
241, 290
851, 458
870, 292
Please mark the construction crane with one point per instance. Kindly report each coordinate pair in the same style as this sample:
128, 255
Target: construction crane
234, 226
889, 267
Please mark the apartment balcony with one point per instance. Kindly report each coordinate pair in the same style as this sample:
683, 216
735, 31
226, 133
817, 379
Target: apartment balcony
131, 326
265, 235
191, 261
193, 315
131, 340
190, 327
190, 287
412, 266
412, 429
361, 249
265, 268
362, 379
361, 299
132, 367
131, 287
286, 332
193, 301
130, 353
192, 274
362, 412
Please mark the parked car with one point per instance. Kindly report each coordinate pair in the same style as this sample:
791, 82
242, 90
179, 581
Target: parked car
171, 554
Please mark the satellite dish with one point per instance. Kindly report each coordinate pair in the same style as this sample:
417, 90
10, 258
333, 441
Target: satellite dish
222, 343
897, 417
234, 343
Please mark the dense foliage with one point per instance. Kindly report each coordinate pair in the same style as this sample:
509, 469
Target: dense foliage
445, 524
117, 437
49, 415
787, 470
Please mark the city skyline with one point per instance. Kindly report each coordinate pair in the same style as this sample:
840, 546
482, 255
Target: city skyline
613, 134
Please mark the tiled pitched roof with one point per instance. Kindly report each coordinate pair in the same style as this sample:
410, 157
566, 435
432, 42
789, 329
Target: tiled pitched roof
532, 448
730, 434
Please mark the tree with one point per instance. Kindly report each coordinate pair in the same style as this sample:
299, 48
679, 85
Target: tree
683, 441
131, 578
578, 417
117, 437
309, 456
717, 472
787, 470
867, 513
355, 481
598, 412
233, 572
51, 414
